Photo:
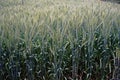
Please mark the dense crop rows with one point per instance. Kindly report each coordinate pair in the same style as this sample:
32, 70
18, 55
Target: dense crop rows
53, 40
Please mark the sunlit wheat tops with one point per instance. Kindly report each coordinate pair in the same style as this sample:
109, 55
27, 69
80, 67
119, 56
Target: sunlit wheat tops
58, 40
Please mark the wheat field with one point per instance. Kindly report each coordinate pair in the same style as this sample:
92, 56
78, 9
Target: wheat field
59, 39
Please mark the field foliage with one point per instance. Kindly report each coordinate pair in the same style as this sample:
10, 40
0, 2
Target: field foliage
58, 40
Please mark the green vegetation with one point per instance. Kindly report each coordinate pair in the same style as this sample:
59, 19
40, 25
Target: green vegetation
58, 40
